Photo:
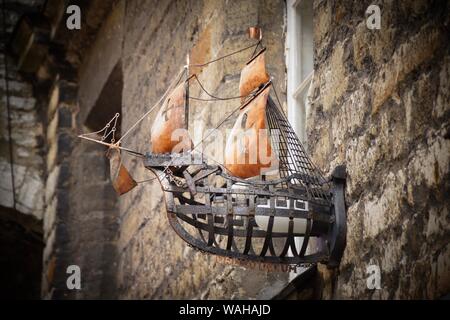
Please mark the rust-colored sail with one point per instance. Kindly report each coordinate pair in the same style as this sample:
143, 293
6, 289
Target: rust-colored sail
253, 75
170, 119
248, 151
120, 177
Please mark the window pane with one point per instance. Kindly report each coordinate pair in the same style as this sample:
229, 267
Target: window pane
299, 62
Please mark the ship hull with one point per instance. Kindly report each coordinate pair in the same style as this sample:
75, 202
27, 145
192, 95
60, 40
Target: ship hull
240, 219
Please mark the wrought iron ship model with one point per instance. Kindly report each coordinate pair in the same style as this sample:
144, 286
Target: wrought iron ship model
248, 209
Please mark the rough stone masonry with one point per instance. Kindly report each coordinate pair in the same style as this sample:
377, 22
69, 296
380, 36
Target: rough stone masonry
381, 106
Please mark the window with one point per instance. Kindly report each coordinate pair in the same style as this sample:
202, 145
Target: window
300, 65
300, 62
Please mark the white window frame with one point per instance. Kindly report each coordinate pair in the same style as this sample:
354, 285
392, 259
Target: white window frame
298, 80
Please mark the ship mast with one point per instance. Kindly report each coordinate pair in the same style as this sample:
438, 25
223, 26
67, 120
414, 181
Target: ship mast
186, 101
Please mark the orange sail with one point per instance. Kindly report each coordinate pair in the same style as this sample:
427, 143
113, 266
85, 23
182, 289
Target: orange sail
248, 152
121, 179
253, 75
169, 132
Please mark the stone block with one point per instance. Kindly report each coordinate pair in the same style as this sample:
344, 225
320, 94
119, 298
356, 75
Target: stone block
49, 247
65, 143
405, 59
382, 211
333, 78
53, 101
30, 195
22, 103
431, 162
52, 129
442, 105
323, 17
442, 272
51, 184
68, 92
437, 223
52, 156
65, 117
50, 216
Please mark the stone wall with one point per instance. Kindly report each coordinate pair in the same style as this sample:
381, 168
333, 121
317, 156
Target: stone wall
381, 106
27, 129
22, 173
59, 182
80, 222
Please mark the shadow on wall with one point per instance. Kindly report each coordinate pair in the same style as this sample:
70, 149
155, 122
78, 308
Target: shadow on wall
21, 248
108, 103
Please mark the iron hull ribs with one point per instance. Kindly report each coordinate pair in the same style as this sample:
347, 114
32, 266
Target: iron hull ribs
241, 219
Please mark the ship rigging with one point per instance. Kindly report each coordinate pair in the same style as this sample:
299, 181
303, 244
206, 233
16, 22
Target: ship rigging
263, 207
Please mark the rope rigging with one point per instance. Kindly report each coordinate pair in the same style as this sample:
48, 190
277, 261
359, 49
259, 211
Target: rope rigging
247, 204
113, 122
214, 98
224, 56
161, 99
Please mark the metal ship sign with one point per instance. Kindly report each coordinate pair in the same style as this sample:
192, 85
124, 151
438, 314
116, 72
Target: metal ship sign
258, 207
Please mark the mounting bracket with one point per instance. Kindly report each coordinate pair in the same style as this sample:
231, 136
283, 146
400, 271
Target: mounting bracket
337, 237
